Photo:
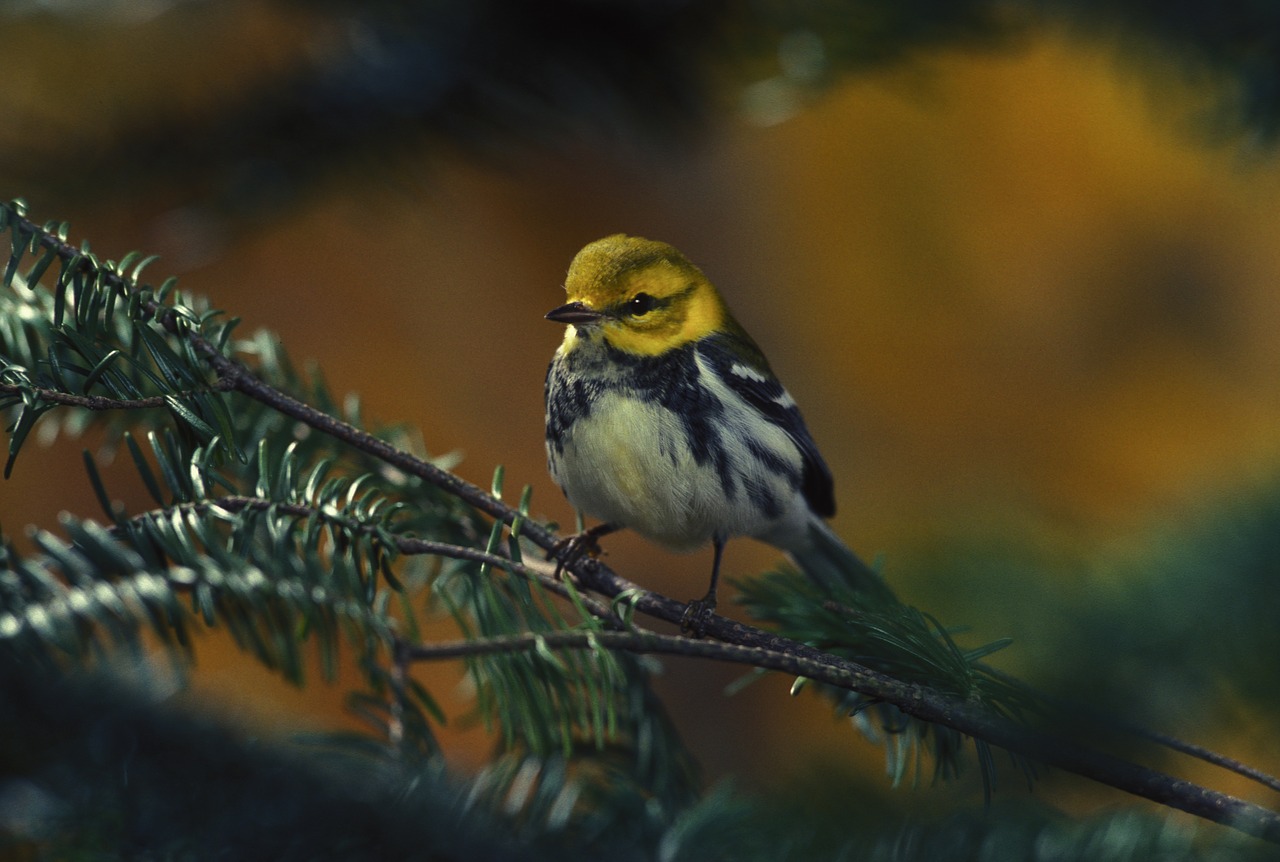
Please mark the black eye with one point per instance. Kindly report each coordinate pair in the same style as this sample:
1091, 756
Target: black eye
641, 303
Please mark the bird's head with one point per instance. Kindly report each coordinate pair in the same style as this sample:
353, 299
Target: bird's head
642, 296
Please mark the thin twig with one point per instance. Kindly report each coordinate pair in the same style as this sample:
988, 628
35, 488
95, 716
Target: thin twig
1110, 722
628, 641
101, 402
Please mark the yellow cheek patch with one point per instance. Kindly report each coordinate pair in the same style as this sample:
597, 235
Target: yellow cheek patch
694, 314
644, 343
705, 314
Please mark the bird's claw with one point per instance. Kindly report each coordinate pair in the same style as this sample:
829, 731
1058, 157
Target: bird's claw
696, 616
569, 550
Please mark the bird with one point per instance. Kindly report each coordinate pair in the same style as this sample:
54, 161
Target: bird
663, 416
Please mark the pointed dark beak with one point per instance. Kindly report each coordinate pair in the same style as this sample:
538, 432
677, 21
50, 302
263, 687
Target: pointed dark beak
574, 312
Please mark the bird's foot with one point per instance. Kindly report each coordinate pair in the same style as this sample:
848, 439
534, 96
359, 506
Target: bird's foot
571, 549
697, 614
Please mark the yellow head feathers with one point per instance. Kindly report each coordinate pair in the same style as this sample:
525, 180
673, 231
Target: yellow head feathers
644, 296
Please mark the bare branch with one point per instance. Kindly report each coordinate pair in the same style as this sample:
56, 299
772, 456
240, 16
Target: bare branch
101, 402
1110, 722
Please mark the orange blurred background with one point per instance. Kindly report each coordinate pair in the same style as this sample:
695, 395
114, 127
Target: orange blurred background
1013, 291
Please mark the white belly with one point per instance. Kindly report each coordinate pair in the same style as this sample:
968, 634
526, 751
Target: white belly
629, 462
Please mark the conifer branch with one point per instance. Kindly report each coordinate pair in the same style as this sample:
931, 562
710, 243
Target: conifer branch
797, 660
544, 574
733, 641
241, 379
785, 655
777, 653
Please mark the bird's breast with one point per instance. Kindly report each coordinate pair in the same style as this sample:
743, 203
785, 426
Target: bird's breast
628, 461
661, 445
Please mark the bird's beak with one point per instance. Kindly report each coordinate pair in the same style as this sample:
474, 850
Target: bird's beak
574, 312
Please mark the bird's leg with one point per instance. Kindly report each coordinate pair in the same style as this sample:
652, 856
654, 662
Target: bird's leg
570, 549
699, 610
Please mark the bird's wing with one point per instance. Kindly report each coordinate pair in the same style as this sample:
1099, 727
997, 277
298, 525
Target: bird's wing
747, 374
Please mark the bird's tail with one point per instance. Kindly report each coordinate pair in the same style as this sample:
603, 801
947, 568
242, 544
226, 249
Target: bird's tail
835, 568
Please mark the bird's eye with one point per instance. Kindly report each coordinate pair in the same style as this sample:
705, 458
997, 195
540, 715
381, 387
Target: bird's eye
641, 303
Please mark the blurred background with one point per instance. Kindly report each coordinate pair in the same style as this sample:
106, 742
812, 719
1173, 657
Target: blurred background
1016, 262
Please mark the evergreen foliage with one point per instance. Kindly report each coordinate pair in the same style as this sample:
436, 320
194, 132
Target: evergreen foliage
101, 767
280, 515
295, 528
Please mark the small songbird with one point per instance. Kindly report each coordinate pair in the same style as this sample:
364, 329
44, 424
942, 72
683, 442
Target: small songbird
664, 417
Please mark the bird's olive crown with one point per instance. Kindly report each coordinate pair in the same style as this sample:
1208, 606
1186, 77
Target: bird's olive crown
652, 298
